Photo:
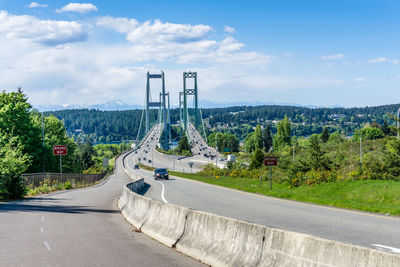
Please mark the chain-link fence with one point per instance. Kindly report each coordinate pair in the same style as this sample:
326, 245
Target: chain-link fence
76, 180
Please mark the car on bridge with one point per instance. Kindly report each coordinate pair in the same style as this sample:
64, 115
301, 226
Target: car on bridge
160, 173
136, 167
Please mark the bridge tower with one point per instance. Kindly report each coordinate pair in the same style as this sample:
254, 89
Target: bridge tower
161, 104
194, 92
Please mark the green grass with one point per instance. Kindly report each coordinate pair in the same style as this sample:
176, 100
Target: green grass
367, 195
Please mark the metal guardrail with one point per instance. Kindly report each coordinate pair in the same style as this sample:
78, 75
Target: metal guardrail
76, 179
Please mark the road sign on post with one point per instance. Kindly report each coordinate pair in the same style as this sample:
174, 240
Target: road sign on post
270, 161
59, 150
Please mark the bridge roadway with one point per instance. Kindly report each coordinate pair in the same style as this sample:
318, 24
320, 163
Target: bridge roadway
81, 227
353, 227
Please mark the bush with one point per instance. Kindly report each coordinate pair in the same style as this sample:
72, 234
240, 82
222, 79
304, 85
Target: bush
67, 185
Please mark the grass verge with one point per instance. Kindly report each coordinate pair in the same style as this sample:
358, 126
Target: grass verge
379, 196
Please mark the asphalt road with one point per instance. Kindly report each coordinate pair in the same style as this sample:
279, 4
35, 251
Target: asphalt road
353, 227
81, 227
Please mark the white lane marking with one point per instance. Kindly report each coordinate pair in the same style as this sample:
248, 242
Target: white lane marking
386, 248
41, 230
42, 219
162, 192
47, 245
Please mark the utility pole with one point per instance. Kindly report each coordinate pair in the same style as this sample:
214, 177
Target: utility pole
398, 118
294, 153
44, 164
361, 150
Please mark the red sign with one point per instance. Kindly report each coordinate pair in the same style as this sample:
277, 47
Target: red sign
271, 161
59, 150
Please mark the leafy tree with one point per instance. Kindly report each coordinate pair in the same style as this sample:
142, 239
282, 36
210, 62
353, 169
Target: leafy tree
257, 159
13, 162
369, 133
250, 143
267, 138
325, 135
282, 136
225, 140
15, 119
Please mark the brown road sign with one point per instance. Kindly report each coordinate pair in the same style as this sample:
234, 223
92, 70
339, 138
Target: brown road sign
59, 150
271, 161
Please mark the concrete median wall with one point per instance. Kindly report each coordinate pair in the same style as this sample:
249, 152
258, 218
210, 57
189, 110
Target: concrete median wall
221, 241
165, 222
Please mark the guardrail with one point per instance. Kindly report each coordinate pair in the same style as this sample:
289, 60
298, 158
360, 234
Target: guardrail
76, 179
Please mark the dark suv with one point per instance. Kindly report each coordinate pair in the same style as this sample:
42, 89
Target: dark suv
160, 173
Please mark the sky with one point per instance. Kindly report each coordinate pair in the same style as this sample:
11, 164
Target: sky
306, 52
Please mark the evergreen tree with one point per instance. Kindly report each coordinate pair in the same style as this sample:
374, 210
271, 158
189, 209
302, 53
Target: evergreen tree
258, 137
257, 159
325, 135
183, 144
267, 138
86, 155
318, 160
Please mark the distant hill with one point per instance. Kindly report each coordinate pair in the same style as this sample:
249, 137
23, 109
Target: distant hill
106, 126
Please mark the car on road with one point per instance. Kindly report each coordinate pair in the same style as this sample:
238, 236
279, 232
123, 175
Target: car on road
149, 160
144, 158
136, 167
160, 173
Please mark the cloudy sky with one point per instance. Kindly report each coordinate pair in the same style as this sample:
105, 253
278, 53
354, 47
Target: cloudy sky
309, 52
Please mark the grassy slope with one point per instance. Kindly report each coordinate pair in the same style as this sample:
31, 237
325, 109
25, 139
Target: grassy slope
367, 195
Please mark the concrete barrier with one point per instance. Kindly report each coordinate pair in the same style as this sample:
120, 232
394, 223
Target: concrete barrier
136, 209
221, 241
283, 248
165, 222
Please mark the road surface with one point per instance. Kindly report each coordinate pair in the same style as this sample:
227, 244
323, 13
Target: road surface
81, 227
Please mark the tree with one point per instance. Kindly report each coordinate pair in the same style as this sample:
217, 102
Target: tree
183, 144
318, 160
16, 120
86, 155
369, 133
258, 137
13, 162
249, 143
325, 135
282, 137
257, 159
267, 138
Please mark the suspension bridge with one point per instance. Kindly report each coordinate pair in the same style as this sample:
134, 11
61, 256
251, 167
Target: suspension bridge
157, 110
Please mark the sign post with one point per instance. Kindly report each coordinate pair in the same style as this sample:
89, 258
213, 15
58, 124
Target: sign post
60, 150
270, 161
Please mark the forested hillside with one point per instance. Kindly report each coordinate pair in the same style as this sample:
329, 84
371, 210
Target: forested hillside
108, 126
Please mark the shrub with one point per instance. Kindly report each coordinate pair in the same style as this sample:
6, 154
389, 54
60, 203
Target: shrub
67, 185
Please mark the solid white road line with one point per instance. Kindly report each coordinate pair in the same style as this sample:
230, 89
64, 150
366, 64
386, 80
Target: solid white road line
41, 230
47, 245
162, 192
386, 248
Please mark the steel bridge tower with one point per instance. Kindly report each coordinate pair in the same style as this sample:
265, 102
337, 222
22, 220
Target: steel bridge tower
194, 92
161, 104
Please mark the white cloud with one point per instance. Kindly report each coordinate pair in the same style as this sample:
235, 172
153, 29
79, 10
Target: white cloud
121, 25
78, 8
229, 29
384, 60
35, 4
378, 60
332, 57
46, 32
358, 79
288, 54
